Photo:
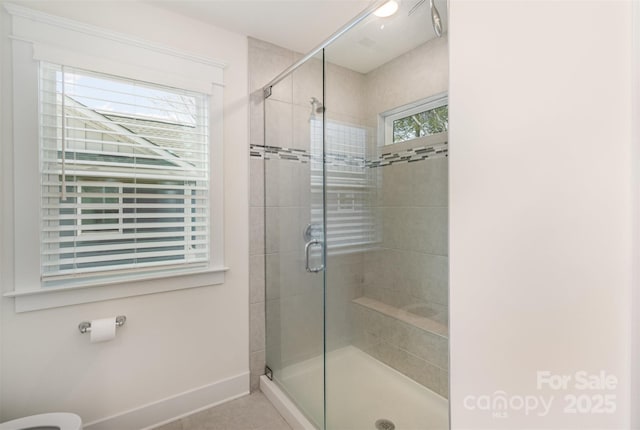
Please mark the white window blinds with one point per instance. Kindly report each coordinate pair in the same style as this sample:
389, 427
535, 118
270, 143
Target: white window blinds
350, 186
125, 180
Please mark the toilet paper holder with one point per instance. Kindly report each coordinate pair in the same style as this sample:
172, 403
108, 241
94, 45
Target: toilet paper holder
85, 326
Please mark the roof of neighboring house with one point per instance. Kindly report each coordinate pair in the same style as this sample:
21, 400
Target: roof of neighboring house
152, 137
160, 133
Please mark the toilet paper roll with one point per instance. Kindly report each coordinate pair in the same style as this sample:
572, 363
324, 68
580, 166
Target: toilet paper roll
103, 329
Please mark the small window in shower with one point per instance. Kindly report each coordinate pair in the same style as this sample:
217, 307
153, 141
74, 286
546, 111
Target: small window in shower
427, 117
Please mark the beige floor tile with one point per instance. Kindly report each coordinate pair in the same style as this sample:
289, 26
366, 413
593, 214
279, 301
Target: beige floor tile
252, 412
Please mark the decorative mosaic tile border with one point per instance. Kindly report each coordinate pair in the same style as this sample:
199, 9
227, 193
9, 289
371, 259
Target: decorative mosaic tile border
301, 155
279, 153
410, 155
386, 159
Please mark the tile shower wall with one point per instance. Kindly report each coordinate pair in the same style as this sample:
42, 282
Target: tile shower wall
294, 312
403, 321
409, 273
265, 62
293, 297
410, 267
345, 118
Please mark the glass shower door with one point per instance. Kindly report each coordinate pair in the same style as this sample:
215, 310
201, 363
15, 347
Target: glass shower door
294, 237
386, 222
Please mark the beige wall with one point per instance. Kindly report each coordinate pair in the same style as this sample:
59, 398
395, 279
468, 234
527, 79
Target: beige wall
172, 342
414, 75
540, 201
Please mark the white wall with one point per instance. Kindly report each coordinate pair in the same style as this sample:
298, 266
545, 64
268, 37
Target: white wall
5, 134
540, 177
172, 342
635, 156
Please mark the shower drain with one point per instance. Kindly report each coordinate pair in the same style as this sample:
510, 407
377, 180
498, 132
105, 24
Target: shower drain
383, 424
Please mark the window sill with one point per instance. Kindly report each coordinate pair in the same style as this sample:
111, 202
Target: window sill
433, 139
53, 297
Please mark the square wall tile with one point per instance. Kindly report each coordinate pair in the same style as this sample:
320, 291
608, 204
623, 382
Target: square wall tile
257, 362
256, 118
256, 279
256, 230
256, 185
257, 326
278, 116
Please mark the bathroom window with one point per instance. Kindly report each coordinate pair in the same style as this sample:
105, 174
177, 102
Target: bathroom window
427, 117
124, 176
119, 188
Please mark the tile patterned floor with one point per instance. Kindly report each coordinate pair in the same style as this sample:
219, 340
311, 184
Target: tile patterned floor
252, 412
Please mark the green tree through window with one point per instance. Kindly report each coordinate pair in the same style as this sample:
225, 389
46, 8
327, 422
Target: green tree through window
424, 123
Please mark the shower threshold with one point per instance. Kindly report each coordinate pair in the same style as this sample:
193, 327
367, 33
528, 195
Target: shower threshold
360, 392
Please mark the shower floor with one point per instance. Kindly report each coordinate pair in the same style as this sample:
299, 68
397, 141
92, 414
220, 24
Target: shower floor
362, 390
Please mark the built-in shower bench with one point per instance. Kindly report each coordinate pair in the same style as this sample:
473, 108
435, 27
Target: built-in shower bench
412, 344
405, 316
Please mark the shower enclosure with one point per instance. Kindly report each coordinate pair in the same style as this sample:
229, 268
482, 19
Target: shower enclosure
355, 214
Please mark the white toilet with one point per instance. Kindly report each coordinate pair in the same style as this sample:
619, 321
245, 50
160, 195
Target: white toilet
54, 421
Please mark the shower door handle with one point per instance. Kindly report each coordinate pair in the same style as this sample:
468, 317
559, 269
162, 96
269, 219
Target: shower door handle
307, 249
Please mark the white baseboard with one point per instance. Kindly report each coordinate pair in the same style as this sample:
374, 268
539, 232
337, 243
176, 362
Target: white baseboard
284, 406
172, 408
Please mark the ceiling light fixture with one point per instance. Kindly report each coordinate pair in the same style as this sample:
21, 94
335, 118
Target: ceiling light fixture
387, 9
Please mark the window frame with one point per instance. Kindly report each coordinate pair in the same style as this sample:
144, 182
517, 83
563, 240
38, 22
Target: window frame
64, 254
78, 45
386, 119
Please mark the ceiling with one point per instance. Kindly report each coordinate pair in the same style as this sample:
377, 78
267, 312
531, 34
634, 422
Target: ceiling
301, 25
376, 41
